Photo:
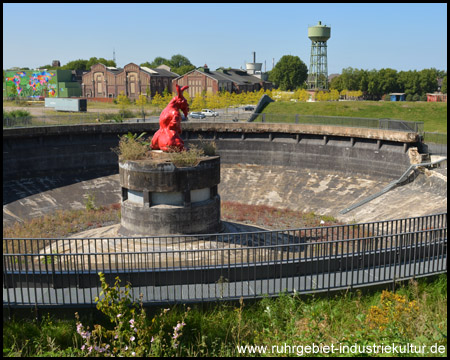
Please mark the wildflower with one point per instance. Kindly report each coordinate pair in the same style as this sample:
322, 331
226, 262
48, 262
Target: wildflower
166, 310
126, 347
83, 347
79, 327
119, 315
132, 338
90, 349
152, 339
133, 353
132, 323
116, 337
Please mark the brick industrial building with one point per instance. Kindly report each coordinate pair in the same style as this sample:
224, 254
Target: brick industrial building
108, 82
231, 80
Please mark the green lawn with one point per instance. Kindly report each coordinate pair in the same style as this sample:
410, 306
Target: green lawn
415, 314
433, 115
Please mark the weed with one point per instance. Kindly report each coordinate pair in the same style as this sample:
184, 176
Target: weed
209, 147
132, 147
89, 202
131, 335
186, 158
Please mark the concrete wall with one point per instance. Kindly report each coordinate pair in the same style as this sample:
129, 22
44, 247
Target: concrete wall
30, 152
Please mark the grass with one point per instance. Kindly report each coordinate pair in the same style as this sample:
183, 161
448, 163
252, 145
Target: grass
285, 325
433, 115
148, 108
63, 223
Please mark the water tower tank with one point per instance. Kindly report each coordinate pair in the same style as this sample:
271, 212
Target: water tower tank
319, 32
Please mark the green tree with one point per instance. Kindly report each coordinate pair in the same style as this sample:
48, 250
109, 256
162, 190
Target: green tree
93, 60
159, 61
289, 73
179, 60
388, 81
428, 81
373, 86
76, 65
182, 69
409, 82
337, 83
444, 85
349, 78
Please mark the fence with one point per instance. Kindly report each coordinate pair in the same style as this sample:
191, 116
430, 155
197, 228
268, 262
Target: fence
436, 142
387, 124
86, 118
182, 269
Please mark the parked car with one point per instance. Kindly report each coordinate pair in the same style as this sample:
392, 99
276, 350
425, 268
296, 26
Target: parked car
208, 112
197, 115
249, 108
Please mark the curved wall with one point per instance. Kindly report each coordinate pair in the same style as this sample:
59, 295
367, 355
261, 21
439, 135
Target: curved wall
43, 151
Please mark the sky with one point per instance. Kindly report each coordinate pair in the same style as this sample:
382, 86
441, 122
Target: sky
363, 36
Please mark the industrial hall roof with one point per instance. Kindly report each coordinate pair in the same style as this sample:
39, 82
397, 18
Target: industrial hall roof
237, 76
153, 72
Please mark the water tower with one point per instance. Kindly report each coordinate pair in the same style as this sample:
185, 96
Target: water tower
318, 68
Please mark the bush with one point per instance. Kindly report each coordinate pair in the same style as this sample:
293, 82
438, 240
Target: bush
132, 147
208, 147
132, 335
186, 158
16, 117
416, 97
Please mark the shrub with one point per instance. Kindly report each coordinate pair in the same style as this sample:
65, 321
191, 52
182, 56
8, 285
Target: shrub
90, 202
186, 158
208, 147
16, 117
132, 147
132, 335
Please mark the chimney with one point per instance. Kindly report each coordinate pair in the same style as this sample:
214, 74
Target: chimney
254, 57
206, 68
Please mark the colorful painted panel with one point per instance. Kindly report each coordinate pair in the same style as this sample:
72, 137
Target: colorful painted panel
31, 83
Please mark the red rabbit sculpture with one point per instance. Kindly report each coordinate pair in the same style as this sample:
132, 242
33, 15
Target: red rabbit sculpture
168, 135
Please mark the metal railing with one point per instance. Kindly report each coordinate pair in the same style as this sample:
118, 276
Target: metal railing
91, 118
374, 123
436, 143
182, 269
